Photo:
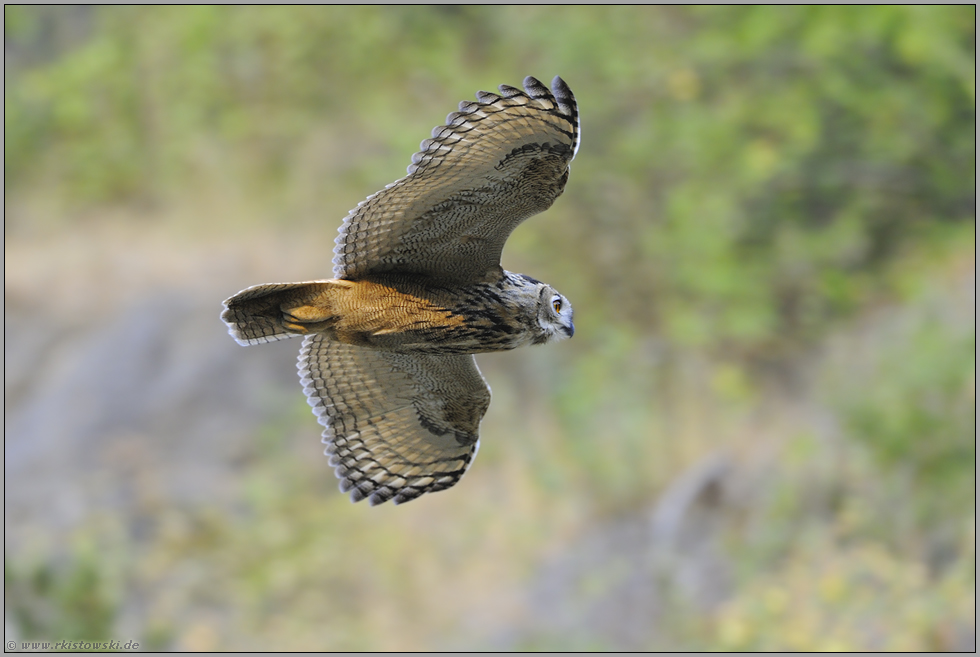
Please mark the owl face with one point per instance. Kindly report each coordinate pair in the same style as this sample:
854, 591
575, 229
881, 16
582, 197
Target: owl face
554, 315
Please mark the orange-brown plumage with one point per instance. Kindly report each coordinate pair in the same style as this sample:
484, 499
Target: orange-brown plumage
354, 312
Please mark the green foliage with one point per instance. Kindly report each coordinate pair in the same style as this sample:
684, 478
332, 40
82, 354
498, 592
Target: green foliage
782, 158
910, 398
54, 602
922, 410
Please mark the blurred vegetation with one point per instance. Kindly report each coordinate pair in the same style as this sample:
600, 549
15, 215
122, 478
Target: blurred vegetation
829, 597
70, 600
752, 181
916, 413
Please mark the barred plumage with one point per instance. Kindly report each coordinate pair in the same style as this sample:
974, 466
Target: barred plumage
387, 359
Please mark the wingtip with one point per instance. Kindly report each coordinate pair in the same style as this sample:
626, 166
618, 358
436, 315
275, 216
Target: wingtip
560, 88
534, 88
568, 105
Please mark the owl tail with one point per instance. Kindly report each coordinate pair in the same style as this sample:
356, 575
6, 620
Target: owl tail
265, 313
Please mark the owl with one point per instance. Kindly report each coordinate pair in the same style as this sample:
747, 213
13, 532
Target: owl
387, 357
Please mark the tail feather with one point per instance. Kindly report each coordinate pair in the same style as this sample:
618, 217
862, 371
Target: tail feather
262, 313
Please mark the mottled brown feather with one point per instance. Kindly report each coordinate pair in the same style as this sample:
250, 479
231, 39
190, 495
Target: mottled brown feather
397, 425
495, 163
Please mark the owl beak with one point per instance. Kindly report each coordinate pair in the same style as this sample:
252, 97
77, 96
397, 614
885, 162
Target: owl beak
570, 329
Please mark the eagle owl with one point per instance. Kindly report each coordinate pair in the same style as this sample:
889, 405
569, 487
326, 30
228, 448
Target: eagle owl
387, 358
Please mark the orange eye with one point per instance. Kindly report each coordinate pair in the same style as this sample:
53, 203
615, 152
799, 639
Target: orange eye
556, 304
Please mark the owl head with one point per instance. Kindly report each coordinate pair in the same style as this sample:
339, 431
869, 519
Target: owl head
554, 315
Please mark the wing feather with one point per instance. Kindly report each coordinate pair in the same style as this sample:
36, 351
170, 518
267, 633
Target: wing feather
397, 425
496, 162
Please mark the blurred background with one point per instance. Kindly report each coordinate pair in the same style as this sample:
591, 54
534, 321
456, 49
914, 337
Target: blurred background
760, 438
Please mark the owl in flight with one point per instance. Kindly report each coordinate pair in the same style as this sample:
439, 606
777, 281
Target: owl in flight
387, 358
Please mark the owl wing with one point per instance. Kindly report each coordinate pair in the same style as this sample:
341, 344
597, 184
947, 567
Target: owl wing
397, 425
495, 163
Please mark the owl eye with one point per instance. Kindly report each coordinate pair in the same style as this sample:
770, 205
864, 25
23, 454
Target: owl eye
556, 304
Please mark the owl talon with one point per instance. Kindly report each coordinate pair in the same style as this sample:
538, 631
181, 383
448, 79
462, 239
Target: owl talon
294, 327
306, 319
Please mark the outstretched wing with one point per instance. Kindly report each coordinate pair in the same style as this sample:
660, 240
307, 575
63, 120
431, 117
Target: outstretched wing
397, 425
495, 163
